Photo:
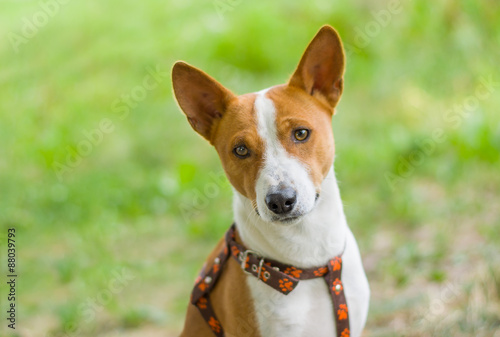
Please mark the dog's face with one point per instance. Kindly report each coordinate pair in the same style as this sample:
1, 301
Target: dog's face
276, 146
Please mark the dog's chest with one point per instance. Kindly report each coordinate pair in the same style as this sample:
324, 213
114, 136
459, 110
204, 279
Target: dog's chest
306, 311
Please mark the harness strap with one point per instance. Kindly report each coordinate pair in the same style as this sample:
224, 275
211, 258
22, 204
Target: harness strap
281, 277
336, 287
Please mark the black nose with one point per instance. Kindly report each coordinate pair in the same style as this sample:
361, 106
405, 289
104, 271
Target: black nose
281, 202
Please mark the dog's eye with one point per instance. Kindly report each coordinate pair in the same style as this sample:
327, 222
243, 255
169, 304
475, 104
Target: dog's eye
301, 134
241, 151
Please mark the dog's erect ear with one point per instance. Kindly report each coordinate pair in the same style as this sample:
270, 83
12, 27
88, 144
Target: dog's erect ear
202, 98
321, 69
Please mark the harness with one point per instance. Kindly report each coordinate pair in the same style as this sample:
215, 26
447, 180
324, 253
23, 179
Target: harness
281, 277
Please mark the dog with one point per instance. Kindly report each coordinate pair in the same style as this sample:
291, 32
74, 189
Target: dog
267, 276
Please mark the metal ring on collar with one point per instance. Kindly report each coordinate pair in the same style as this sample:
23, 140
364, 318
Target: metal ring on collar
243, 257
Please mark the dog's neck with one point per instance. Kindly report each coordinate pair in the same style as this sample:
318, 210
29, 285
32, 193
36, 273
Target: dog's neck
317, 238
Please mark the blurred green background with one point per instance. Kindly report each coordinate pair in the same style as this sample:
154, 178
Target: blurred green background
116, 201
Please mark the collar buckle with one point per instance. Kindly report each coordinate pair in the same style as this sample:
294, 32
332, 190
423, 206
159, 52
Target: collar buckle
243, 258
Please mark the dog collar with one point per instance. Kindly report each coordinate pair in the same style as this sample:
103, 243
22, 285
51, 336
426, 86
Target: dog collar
279, 276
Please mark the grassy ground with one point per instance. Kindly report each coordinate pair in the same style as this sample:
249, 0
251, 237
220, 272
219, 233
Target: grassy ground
116, 202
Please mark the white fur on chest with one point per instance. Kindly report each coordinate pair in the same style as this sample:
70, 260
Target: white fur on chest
308, 309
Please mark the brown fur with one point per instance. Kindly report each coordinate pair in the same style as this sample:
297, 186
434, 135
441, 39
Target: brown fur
200, 97
239, 126
321, 69
231, 301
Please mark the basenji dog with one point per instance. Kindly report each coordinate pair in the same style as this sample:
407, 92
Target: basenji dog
267, 276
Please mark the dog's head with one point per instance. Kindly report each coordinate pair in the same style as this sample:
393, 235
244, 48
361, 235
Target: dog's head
276, 146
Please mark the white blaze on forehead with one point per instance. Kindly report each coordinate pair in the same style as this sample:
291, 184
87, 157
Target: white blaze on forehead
278, 166
266, 127
266, 117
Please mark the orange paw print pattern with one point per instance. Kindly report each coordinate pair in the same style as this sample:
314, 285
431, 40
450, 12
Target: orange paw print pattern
202, 303
286, 285
342, 312
292, 271
215, 324
235, 251
203, 286
337, 286
336, 263
320, 271
345, 333
216, 268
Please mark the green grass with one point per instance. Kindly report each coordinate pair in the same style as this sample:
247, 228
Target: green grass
150, 196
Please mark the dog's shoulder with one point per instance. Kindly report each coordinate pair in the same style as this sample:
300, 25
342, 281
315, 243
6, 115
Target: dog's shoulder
231, 300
